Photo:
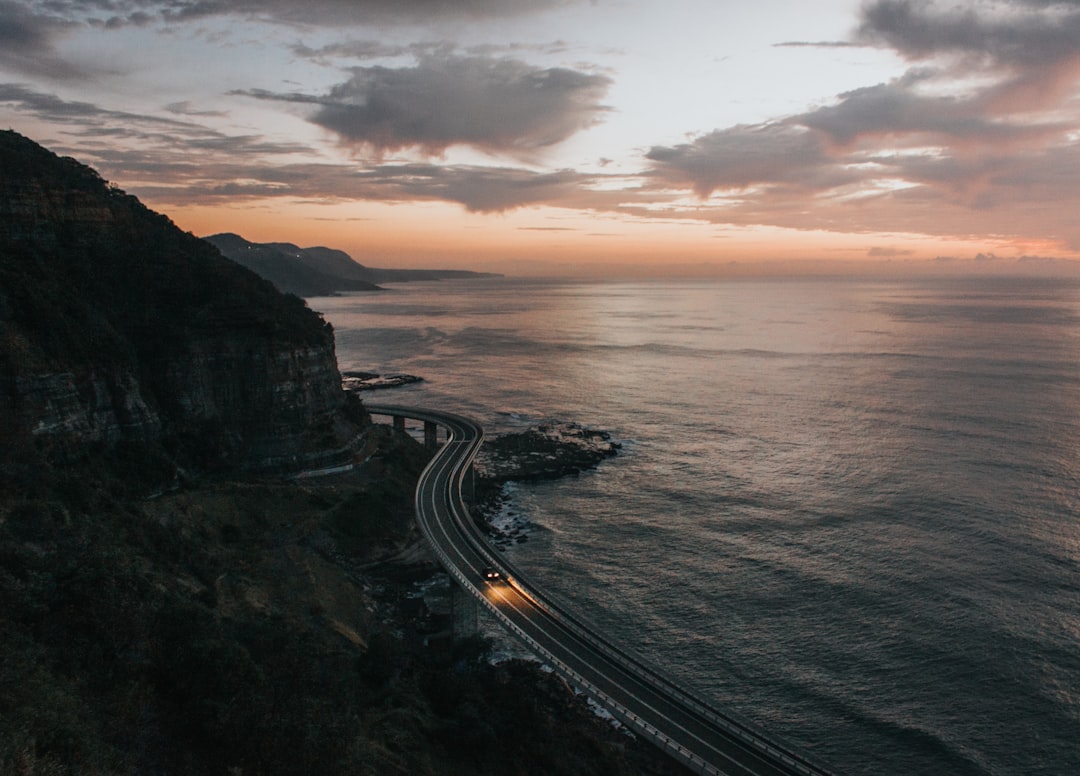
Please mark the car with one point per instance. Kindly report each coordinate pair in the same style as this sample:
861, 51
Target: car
492, 574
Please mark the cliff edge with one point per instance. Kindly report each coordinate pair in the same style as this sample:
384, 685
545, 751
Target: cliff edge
117, 326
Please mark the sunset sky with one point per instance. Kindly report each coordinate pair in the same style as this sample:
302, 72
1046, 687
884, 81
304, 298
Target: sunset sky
537, 136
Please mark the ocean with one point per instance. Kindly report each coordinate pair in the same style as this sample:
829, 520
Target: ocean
847, 510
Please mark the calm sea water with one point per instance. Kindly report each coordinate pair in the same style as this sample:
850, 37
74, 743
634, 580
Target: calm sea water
848, 511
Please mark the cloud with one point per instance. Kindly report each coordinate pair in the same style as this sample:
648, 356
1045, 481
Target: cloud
370, 49
175, 161
494, 190
27, 42
185, 108
980, 135
881, 252
115, 13
494, 105
744, 156
899, 110
1033, 46
53, 108
157, 136
1018, 33
192, 180
376, 49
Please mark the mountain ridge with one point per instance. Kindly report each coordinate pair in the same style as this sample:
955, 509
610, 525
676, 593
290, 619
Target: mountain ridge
319, 270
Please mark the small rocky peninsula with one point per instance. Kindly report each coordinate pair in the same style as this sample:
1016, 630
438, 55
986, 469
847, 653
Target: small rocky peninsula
546, 451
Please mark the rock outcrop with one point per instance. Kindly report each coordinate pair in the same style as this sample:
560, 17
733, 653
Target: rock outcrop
547, 451
372, 381
116, 325
544, 452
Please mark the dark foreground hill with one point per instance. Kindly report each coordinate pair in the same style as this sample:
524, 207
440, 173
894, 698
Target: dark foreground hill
117, 326
192, 625
320, 271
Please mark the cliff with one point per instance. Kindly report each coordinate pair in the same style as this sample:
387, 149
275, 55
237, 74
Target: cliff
117, 326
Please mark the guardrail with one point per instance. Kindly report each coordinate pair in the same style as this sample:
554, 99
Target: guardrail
742, 730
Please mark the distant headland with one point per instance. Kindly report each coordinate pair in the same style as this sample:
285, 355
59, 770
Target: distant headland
320, 271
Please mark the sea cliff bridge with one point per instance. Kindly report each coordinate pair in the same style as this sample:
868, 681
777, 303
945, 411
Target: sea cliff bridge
705, 739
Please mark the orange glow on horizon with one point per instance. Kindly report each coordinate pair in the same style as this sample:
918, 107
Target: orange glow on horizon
550, 241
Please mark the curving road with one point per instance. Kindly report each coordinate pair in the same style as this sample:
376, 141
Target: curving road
703, 738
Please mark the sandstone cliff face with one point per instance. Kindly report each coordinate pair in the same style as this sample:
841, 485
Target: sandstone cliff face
284, 404
115, 325
86, 407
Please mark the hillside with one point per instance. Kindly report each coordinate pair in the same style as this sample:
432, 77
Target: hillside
320, 271
117, 326
287, 267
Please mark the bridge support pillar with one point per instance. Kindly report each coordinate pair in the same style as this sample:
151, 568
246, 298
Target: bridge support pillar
464, 613
431, 435
399, 423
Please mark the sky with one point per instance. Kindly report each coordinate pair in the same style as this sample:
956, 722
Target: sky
576, 136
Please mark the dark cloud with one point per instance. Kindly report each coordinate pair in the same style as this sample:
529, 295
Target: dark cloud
89, 115
362, 11
744, 156
368, 49
198, 179
371, 49
491, 190
1019, 33
22, 29
179, 162
899, 110
1031, 46
115, 13
495, 105
157, 135
27, 41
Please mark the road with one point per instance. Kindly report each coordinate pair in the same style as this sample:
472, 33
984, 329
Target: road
705, 739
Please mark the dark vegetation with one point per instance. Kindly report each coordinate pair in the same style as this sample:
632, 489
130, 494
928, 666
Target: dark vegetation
105, 278
162, 336
256, 627
160, 618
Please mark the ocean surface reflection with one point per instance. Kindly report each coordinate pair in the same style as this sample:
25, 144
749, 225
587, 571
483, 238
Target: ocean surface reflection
847, 510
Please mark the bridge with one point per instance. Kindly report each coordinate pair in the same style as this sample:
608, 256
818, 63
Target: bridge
703, 738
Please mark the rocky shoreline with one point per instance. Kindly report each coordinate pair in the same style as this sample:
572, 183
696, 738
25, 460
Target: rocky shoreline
547, 451
372, 381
